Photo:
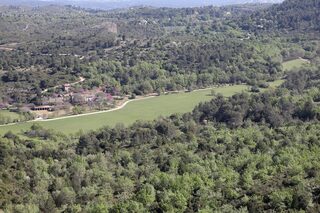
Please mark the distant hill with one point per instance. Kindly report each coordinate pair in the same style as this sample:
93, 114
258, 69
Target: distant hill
295, 15
113, 4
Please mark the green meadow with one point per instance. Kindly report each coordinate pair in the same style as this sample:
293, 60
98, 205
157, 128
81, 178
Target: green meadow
147, 109
7, 113
296, 63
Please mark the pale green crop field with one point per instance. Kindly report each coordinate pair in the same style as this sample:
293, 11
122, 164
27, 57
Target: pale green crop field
147, 109
296, 63
7, 113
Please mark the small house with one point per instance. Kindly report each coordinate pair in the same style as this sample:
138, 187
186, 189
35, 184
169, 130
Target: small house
42, 108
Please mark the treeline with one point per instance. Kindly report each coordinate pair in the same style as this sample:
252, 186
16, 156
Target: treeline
293, 15
181, 16
266, 109
272, 108
167, 66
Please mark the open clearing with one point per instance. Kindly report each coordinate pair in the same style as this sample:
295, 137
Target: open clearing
296, 63
146, 109
275, 84
7, 113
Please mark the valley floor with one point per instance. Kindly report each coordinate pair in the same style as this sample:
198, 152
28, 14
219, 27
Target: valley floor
131, 111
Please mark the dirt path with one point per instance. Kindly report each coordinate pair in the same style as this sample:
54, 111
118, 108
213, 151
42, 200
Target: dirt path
85, 114
110, 110
103, 111
6, 48
116, 108
81, 79
11, 124
9, 46
99, 112
305, 60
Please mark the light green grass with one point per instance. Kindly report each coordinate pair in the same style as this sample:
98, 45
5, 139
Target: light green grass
293, 64
147, 109
7, 113
276, 83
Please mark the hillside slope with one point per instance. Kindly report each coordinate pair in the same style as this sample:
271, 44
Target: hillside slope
290, 15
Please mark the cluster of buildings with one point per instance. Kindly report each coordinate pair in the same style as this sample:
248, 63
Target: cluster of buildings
70, 96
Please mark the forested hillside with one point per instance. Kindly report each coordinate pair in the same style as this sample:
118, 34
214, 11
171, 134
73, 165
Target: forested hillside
176, 49
66, 42
256, 151
290, 15
242, 154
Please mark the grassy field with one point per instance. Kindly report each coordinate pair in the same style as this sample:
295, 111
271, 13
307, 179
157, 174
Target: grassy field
296, 63
276, 83
7, 113
147, 109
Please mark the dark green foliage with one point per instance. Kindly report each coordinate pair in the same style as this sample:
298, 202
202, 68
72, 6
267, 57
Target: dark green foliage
293, 15
247, 153
139, 51
252, 168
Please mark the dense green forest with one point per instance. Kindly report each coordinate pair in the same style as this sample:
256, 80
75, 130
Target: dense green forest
252, 152
175, 48
242, 154
291, 15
